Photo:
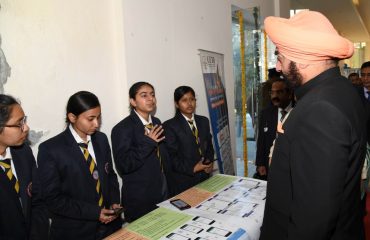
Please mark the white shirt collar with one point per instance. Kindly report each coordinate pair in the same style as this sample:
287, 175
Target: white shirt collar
145, 122
189, 119
77, 137
288, 108
366, 92
7, 154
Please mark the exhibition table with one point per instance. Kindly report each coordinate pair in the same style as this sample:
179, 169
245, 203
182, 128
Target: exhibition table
221, 208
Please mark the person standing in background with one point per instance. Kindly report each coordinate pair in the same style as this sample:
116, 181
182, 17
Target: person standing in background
282, 100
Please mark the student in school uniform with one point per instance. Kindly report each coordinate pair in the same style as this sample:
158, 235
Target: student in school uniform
79, 185
139, 154
188, 142
16, 168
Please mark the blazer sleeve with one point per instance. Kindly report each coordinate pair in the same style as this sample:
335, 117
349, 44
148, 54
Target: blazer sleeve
319, 164
39, 212
178, 162
131, 148
57, 202
112, 176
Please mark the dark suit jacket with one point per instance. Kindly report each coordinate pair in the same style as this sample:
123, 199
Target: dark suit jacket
69, 189
313, 188
183, 151
15, 219
266, 134
366, 103
135, 156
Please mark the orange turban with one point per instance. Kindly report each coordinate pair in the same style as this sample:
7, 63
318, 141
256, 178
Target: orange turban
308, 37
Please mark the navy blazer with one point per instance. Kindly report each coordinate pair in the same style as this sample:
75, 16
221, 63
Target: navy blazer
69, 189
266, 134
15, 219
135, 156
184, 152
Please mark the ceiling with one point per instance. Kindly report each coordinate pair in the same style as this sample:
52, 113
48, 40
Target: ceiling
351, 18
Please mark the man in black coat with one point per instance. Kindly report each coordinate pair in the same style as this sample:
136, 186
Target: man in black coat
282, 102
313, 189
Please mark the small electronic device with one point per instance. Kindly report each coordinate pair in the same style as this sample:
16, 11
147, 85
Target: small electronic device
180, 204
206, 161
117, 211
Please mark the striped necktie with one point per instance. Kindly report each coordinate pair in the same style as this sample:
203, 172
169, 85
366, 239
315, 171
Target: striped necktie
8, 171
195, 133
149, 126
93, 171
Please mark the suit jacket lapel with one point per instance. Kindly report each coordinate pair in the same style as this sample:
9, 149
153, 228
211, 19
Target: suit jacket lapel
184, 125
274, 119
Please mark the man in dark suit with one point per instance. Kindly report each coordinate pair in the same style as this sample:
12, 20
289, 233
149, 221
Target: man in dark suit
282, 102
16, 166
365, 91
313, 189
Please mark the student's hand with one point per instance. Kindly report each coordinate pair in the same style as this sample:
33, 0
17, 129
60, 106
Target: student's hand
115, 205
106, 216
209, 169
156, 133
261, 170
200, 167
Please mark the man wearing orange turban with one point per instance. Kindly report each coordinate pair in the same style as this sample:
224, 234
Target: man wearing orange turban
313, 189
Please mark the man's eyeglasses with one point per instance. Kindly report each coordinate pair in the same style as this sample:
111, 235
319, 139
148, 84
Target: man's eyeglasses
20, 124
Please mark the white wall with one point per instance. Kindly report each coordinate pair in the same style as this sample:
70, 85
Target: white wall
162, 39
56, 48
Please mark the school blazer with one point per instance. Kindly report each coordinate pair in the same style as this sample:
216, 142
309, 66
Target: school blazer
15, 219
69, 189
184, 152
135, 156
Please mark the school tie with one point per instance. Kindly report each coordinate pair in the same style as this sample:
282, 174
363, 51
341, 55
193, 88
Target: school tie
195, 133
283, 113
149, 126
8, 171
93, 171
